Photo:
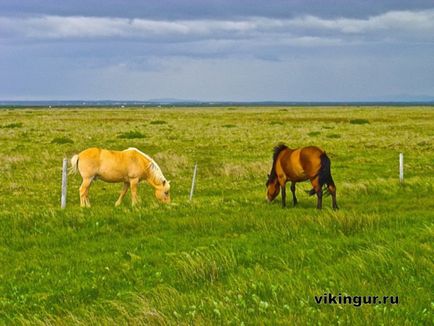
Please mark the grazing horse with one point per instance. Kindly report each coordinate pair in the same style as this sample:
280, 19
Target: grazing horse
301, 164
129, 166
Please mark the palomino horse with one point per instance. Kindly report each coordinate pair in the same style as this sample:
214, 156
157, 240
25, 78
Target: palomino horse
301, 164
129, 166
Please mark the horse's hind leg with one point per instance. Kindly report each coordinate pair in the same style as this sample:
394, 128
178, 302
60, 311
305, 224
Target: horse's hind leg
84, 192
294, 198
332, 190
318, 191
319, 200
123, 192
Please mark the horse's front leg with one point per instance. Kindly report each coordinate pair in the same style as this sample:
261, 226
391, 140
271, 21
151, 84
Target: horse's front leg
284, 195
294, 199
134, 198
123, 192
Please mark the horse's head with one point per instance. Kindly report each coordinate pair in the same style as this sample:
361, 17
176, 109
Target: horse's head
163, 193
273, 188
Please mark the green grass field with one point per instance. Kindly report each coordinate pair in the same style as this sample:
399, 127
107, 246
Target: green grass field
227, 257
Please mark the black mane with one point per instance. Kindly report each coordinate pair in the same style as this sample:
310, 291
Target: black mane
279, 148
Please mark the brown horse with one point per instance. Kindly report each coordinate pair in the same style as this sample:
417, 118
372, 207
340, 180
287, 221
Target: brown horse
296, 165
129, 166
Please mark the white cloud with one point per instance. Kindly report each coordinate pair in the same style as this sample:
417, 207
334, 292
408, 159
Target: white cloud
393, 20
396, 25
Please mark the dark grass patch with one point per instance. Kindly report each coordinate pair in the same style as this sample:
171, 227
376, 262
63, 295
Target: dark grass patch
327, 127
62, 140
314, 133
359, 121
231, 109
229, 126
276, 123
424, 144
13, 125
158, 122
283, 110
333, 136
24, 135
131, 135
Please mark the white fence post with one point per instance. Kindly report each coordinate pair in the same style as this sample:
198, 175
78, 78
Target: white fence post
401, 167
193, 181
64, 183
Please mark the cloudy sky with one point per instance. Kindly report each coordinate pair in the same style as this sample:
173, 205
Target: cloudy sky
217, 50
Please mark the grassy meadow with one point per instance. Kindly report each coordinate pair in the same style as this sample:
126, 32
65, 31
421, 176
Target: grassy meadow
226, 257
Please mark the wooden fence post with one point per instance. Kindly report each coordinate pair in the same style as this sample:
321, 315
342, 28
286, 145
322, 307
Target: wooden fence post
64, 183
193, 181
401, 167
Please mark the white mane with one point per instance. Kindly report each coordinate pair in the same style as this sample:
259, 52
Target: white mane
157, 173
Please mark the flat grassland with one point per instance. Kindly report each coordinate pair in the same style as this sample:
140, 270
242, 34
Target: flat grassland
227, 257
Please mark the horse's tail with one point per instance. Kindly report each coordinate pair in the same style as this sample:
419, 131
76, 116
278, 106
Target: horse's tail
74, 165
324, 174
